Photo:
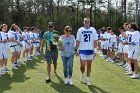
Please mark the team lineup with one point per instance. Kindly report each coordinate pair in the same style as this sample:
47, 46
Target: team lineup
86, 44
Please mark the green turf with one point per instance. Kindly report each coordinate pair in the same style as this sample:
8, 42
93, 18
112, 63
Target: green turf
105, 78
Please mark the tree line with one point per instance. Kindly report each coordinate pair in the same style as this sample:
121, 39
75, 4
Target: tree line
38, 13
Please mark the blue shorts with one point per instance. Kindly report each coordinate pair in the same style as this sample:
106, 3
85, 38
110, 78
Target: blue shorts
51, 56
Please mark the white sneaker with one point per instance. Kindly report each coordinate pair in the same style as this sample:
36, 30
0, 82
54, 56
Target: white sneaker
101, 55
129, 73
88, 81
29, 59
126, 68
121, 64
108, 59
104, 56
37, 53
135, 76
112, 61
82, 78
18, 64
125, 65
6, 69
66, 81
2, 71
24, 59
70, 81
14, 67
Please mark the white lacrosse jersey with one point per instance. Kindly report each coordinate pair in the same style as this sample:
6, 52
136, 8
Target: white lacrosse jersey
12, 34
86, 37
31, 36
134, 40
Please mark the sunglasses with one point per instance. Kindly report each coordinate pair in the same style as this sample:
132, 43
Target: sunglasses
69, 31
50, 26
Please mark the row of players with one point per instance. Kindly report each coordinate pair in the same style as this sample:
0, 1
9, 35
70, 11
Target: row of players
16, 40
127, 44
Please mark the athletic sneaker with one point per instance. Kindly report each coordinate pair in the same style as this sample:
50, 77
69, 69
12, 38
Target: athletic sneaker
37, 53
129, 73
125, 65
82, 78
2, 71
135, 76
19, 64
103, 56
70, 81
6, 69
14, 67
66, 81
48, 80
108, 59
29, 59
24, 59
126, 68
121, 64
88, 81
112, 61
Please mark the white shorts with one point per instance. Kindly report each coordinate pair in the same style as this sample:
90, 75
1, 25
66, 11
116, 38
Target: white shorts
108, 47
103, 46
86, 57
121, 49
14, 48
126, 49
19, 48
4, 53
32, 45
133, 53
25, 45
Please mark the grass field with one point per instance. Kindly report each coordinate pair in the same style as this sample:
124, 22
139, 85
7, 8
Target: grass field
105, 78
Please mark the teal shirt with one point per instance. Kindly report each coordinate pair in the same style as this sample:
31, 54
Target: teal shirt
51, 37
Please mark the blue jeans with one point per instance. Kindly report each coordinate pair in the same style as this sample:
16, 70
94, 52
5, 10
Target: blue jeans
67, 66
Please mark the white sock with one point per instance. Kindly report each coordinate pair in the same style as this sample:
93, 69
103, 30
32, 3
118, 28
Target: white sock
3, 69
18, 60
129, 69
25, 55
88, 78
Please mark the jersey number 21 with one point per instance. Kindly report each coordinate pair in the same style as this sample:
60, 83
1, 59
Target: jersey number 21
86, 37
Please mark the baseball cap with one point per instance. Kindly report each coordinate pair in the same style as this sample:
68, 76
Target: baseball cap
50, 24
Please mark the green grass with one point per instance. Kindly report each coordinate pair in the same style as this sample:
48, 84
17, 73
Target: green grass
105, 78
